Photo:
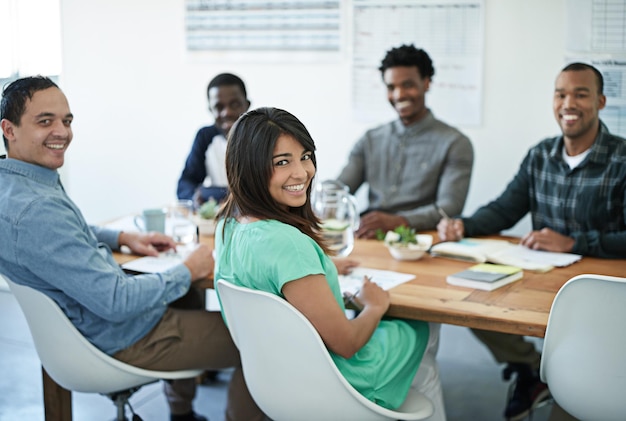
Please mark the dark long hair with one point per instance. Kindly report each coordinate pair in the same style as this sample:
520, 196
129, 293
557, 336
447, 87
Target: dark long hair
249, 169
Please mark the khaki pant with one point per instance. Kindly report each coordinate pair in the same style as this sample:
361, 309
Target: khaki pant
508, 348
193, 339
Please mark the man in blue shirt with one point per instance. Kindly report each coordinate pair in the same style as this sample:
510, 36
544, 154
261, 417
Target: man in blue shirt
47, 245
204, 175
574, 187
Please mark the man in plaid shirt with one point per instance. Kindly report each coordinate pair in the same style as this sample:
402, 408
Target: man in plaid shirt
574, 187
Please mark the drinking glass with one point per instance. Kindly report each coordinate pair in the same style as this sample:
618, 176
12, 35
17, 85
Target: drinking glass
180, 223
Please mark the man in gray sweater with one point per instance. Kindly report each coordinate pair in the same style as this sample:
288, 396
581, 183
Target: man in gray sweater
416, 165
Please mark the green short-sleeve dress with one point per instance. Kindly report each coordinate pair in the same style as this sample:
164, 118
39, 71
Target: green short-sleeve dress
265, 255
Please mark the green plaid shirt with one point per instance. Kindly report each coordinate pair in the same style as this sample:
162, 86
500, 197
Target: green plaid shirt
587, 203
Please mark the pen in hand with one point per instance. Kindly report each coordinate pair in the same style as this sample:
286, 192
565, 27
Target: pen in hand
452, 229
349, 299
443, 213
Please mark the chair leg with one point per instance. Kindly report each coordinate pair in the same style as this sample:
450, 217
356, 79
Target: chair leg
120, 400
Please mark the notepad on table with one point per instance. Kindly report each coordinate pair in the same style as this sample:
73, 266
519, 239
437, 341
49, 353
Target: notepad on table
150, 264
164, 261
503, 252
386, 279
486, 276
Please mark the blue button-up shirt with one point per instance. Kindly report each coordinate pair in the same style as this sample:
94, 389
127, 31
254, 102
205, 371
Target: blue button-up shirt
46, 243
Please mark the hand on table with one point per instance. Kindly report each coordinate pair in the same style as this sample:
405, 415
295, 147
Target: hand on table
548, 240
377, 220
146, 244
200, 264
450, 229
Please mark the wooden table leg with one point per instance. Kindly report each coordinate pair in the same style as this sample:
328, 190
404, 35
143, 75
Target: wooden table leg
57, 401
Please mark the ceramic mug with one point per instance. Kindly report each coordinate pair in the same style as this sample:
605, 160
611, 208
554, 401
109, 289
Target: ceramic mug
151, 220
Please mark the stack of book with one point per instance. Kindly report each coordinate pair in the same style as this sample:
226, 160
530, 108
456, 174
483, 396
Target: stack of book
486, 276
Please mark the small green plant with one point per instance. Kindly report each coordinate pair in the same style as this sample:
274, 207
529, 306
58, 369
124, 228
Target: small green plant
401, 235
209, 209
407, 234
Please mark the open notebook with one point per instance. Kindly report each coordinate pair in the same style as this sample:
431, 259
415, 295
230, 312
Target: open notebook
504, 253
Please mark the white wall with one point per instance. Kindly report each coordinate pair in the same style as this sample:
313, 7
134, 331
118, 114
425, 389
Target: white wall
138, 99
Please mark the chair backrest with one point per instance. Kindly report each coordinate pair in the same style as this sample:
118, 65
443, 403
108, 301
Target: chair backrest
584, 351
70, 359
287, 367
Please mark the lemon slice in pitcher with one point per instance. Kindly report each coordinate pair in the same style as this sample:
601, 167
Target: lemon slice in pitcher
334, 225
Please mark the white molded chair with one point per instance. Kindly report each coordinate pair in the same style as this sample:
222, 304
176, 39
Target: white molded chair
73, 362
288, 369
584, 350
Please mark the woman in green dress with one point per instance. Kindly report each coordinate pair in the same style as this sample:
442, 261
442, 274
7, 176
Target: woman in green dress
268, 239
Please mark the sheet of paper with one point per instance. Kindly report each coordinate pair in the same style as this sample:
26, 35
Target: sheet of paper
385, 278
472, 249
540, 258
150, 264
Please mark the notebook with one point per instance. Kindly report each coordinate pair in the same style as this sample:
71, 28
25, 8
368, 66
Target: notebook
503, 252
485, 276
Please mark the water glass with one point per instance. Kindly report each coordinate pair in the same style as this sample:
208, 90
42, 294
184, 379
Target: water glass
180, 223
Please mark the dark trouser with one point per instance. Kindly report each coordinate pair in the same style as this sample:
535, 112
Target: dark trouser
508, 348
193, 339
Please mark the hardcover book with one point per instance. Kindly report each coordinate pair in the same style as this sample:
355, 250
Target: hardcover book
486, 276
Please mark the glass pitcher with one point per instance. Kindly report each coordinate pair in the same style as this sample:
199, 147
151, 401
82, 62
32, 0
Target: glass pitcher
337, 209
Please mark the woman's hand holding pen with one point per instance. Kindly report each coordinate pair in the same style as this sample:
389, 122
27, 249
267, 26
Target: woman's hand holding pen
372, 296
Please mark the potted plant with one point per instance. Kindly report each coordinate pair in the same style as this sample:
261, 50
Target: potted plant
205, 218
404, 244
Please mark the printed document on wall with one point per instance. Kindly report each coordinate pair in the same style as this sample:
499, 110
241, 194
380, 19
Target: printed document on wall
451, 32
596, 34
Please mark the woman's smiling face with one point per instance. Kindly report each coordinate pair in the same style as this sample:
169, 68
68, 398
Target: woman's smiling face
292, 173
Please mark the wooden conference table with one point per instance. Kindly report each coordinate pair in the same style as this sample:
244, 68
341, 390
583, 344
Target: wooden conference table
521, 307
